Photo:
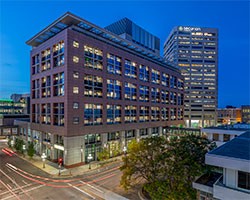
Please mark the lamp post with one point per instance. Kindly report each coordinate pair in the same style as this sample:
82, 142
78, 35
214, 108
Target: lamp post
125, 150
81, 153
12, 143
24, 148
43, 159
90, 157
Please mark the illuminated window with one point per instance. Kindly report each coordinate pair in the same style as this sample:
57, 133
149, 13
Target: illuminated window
114, 64
130, 91
46, 89
75, 59
143, 73
46, 113
155, 95
130, 69
155, 76
75, 74
144, 93
93, 86
92, 114
165, 79
144, 114
58, 111
164, 97
113, 114
75, 44
164, 114
76, 90
58, 54
130, 114
113, 89
58, 84
46, 59
155, 113
93, 58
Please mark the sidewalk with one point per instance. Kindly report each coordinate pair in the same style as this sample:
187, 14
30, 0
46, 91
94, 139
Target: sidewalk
53, 169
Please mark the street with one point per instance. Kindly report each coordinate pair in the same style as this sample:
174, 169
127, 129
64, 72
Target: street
21, 180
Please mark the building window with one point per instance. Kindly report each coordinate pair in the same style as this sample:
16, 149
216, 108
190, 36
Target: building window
58, 84
75, 44
46, 90
113, 89
130, 91
75, 105
226, 137
144, 93
144, 114
155, 113
35, 110
75, 59
92, 86
113, 136
143, 131
46, 59
155, 95
75, 120
165, 80
173, 81
164, 114
180, 84
46, 113
113, 114
92, 114
180, 114
244, 180
35, 89
155, 131
114, 64
172, 98
143, 73
130, 134
75, 90
58, 111
35, 64
155, 76
164, 97
130, 114
58, 54
173, 114
93, 58
75, 74
130, 69
92, 138
180, 99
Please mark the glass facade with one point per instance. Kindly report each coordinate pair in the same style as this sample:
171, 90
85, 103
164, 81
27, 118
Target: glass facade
92, 114
93, 58
114, 64
93, 86
114, 114
114, 89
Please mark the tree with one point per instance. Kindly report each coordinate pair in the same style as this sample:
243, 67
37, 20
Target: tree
30, 149
19, 145
168, 165
104, 154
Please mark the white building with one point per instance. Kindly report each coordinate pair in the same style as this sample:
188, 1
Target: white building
234, 183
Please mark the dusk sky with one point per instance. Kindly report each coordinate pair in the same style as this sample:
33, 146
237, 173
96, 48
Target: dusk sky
20, 20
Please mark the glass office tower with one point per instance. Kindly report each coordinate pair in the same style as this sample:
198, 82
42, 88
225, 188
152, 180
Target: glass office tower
194, 51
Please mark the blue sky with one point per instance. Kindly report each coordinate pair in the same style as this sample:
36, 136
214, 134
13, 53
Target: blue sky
20, 20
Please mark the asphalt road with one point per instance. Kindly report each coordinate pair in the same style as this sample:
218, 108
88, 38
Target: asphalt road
23, 181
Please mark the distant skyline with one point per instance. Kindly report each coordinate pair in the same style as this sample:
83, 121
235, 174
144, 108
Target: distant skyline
21, 20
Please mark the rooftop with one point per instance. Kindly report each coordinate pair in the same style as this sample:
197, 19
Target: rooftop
238, 147
69, 19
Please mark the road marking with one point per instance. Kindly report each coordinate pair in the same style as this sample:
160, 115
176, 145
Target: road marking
15, 183
92, 187
10, 190
8, 185
82, 191
16, 189
25, 182
25, 191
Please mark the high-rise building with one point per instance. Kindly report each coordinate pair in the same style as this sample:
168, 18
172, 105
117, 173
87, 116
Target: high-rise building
194, 50
127, 29
91, 89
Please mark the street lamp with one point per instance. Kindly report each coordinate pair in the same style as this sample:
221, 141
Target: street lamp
90, 157
124, 150
24, 148
12, 143
43, 159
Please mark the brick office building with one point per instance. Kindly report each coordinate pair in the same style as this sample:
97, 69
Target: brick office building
91, 89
